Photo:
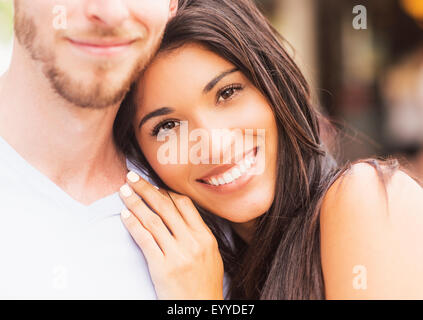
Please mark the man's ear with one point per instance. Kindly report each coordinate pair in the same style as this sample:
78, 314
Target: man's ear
173, 8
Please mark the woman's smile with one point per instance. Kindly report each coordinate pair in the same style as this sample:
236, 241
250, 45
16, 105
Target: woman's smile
230, 177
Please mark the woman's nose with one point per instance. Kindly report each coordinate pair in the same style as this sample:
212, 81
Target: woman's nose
222, 143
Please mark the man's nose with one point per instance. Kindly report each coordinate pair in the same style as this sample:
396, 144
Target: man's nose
108, 13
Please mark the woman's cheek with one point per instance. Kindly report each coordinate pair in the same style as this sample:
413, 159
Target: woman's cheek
172, 174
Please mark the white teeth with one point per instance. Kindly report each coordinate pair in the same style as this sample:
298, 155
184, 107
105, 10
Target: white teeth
228, 177
214, 182
242, 168
247, 163
236, 173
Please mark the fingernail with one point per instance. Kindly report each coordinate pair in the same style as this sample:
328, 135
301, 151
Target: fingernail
125, 213
156, 187
126, 191
133, 177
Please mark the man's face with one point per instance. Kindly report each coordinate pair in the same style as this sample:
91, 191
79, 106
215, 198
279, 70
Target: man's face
91, 50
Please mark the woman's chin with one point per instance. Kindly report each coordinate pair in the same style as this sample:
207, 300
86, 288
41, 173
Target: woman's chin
240, 211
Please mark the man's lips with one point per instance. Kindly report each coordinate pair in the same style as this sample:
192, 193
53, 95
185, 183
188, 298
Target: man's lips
102, 46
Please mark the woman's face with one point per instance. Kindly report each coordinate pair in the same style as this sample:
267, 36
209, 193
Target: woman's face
208, 133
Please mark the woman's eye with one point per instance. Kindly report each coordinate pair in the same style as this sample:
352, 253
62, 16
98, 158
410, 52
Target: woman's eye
227, 93
164, 127
168, 126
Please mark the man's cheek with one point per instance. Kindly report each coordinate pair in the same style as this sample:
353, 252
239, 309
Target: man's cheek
153, 14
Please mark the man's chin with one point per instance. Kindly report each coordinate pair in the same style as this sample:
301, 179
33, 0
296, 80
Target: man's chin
96, 98
92, 85
98, 93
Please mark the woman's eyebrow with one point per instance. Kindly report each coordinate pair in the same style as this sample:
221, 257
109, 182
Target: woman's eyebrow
155, 113
216, 80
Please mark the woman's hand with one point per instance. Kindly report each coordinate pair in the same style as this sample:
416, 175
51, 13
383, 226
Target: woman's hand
181, 251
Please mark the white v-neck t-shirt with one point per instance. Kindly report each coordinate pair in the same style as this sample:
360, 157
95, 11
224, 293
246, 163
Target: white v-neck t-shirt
53, 247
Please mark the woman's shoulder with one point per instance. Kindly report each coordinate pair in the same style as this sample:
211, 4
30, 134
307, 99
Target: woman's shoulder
390, 190
371, 229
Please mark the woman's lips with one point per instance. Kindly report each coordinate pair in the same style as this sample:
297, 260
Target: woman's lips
228, 174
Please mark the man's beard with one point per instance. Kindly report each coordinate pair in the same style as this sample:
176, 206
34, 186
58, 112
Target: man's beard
95, 95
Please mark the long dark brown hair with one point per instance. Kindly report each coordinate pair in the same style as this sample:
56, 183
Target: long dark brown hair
283, 259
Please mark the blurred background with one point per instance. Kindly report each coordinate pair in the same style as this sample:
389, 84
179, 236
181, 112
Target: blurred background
368, 81
6, 29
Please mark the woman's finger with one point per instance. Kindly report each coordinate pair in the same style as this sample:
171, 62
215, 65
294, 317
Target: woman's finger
142, 237
188, 211
151, 221
160, 203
